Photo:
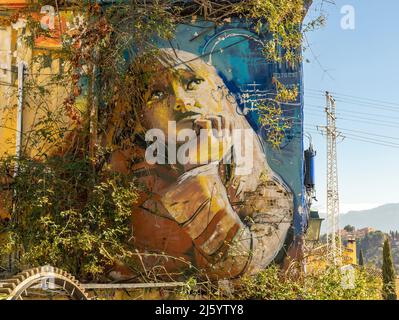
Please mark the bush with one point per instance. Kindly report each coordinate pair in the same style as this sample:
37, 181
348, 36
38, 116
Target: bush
66, 215
272, 284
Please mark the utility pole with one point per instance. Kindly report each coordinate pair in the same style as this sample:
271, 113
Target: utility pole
18, 150
18, 137
333, 234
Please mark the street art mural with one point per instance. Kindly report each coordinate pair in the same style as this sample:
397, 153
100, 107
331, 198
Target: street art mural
235, 203
223, 220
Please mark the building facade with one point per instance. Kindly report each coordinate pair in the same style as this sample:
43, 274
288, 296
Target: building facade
207, 72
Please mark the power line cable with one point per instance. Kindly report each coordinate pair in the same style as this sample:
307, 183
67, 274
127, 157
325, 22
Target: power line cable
361, 132
318, 108
358, 121
350, 135
355, 118
357, 103
385, 144
358, 98
368, 133
357, 135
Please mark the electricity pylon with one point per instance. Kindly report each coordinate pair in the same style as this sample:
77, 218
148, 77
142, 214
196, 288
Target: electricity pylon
332, 134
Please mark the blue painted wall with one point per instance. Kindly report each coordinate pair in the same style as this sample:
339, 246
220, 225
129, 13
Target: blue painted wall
236, 52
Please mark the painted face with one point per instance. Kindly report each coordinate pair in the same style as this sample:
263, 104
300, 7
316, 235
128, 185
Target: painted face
187, 93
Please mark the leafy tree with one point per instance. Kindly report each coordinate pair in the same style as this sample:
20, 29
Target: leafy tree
349, 228
388, 273
361, 258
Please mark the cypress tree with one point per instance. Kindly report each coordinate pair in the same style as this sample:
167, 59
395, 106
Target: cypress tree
388, 273
361, 258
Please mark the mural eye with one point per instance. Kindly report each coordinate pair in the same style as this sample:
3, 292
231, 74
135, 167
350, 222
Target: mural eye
193, 84
157, 95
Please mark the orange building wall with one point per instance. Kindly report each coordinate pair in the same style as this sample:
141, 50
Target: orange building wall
349, 253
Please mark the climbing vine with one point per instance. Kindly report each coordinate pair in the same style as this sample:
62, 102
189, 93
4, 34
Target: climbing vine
271, 115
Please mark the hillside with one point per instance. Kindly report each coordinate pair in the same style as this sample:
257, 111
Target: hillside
384, 218
371, 245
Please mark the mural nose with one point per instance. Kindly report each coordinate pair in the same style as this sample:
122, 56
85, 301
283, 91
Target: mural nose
182, 106
184, 101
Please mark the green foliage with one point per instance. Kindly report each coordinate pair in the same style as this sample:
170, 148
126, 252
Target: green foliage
361, 258
372, 246
283, 19
272, 284
388, 273
66, 216
349, 228
271, 116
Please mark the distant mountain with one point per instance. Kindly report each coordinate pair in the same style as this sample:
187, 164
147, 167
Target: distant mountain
384, 218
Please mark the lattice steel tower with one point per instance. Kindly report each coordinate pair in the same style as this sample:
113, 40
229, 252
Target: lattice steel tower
333, 234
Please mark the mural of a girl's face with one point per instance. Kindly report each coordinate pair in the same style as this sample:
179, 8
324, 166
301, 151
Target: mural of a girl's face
188, 91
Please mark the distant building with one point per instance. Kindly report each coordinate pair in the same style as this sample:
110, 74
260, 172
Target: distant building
349, 251
356, 234
317, 259
363, 232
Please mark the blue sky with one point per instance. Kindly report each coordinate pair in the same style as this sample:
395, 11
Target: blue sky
363, 62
